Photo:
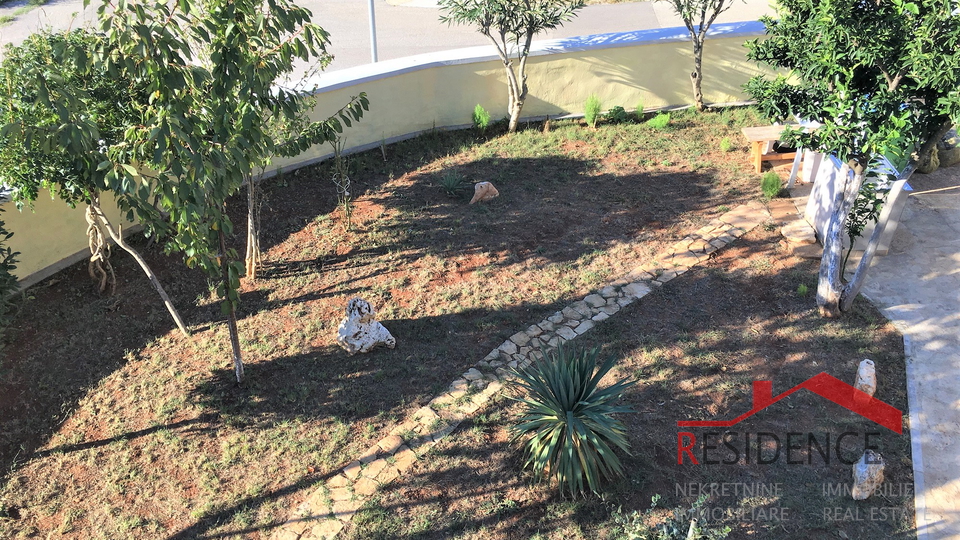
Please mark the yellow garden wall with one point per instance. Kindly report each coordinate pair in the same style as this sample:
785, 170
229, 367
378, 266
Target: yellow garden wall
51, 237
439, 90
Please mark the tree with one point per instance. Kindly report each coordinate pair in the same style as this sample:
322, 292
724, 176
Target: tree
209, 69
881, 78
59, 117
292, 136
510, 25
697, 16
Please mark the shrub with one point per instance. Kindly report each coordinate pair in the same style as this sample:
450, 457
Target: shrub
567, 422
770, 184
591, 110
639, 111
802, 290
481, 118
453, 183
8, 281
681, 524
618, 115
660, 121
726, 145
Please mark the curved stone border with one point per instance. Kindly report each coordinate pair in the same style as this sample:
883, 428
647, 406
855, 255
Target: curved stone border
332, 505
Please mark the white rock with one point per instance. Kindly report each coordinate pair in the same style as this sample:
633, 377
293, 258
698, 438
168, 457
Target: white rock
867, 475
866, 377
484, 191
359, 331
473, 374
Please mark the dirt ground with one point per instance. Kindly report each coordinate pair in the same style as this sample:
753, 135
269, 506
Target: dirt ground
112, 424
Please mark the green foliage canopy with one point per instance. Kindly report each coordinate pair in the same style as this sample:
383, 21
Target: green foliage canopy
60, 116
878, 75
209, 69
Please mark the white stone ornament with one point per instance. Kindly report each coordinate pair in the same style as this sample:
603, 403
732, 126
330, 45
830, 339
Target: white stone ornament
867, 475
483, 192
866, 382
360, 332
867, 377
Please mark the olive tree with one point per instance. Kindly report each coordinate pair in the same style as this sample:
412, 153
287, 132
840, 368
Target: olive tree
209, 69
59, 117
697, 16
880, 77
510, 25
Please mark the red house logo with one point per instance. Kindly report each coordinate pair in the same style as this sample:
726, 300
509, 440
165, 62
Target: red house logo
825, 386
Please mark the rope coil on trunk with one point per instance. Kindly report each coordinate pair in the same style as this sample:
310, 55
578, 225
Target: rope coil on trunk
99, 267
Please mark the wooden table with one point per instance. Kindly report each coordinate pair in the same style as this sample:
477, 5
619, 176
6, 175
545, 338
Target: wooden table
758, 138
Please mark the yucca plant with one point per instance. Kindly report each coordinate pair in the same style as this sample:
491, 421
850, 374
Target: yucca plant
453, 183
567, 425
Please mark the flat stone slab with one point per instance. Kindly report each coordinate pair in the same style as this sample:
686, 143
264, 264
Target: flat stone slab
799, 232
595, 300
566, 333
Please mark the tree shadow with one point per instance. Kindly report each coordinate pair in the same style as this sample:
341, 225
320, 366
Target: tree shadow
327, 382
66, 338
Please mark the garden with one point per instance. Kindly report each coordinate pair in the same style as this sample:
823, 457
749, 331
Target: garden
116, 425
241, 417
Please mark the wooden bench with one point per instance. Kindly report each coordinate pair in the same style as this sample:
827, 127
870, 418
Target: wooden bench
758, 138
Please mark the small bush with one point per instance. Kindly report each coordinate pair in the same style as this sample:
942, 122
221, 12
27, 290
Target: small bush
726, 145
453, 183
8, 281
802, 290
639, 111
770, 184
660, 121
481, 118
591, 110
568, 422
618, 115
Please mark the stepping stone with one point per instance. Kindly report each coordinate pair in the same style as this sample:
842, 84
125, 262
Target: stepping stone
799, 232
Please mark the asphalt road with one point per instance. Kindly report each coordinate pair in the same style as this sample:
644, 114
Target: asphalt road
404, 27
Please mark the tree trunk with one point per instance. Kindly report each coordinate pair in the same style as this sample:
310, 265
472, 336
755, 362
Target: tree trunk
830, 286
515, 116
697, 75
923, 154
117, 237
515, 101
253, 258
232, 311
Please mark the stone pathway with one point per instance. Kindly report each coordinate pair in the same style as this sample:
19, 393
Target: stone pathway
332, 505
